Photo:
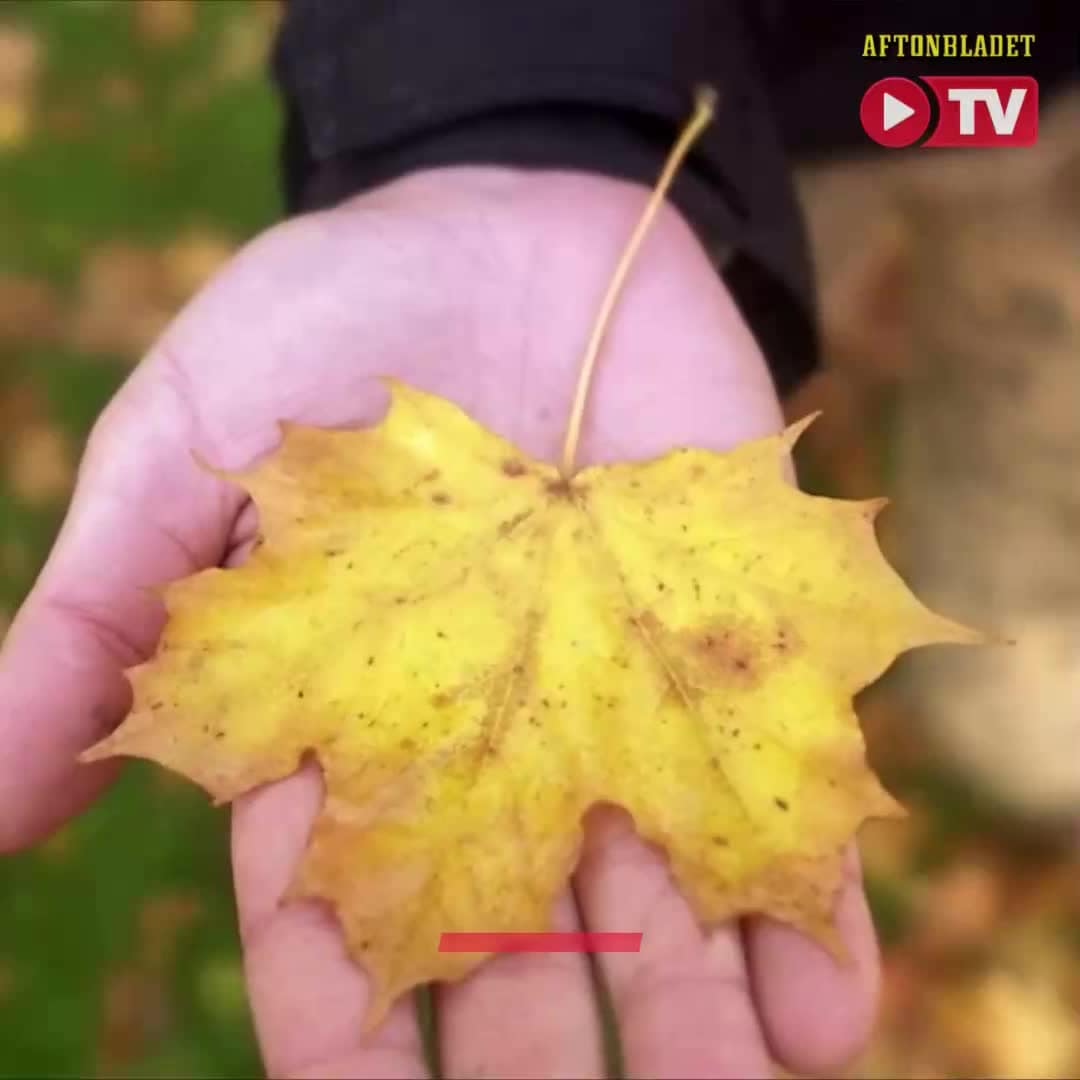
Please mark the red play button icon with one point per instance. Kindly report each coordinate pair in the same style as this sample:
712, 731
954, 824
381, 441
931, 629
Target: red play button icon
895, 112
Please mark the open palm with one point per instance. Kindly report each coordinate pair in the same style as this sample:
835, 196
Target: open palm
480, 285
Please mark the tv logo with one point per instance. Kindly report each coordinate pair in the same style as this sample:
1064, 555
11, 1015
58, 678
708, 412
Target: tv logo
972, 110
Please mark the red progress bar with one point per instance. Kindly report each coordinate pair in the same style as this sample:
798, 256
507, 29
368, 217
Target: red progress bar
583, 942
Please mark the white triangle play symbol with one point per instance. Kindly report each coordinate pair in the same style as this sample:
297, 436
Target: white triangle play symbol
893, 112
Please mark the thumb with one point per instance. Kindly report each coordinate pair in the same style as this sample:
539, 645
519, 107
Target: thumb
142, 514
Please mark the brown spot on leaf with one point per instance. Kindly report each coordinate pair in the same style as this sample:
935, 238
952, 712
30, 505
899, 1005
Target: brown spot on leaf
510, 524
698, 660
559, 488
441, 498
723, 654
647, 623
511, 467
786, 640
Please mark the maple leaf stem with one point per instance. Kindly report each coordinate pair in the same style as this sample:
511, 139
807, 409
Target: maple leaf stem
704, 107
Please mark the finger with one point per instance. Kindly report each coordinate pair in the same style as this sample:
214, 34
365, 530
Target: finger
683, 1002
308, 998
817, 1013
524, 1015
142, 514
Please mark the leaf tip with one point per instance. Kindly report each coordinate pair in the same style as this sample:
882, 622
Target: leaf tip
156, 591
884, 806
872, 507
401, 395
793, 432
819, 925
377, 1010
203, 465
229, 476
397, 389
286, 428
949, 632
100, 751
832, 941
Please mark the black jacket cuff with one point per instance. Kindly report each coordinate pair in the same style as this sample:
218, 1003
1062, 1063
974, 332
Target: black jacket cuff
375, 90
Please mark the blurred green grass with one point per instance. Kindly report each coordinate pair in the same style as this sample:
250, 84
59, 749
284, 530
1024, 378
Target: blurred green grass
118, 947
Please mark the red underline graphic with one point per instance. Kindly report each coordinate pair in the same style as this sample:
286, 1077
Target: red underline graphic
554, 942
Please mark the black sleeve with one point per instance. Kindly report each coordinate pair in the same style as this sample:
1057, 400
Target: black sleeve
377, 88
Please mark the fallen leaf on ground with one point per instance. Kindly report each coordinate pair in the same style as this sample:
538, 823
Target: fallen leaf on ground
123, 301
189, 261
963, 905
30, 310
476, 650
1005, 1024
20, 65
164, 22
41, 464
14, 124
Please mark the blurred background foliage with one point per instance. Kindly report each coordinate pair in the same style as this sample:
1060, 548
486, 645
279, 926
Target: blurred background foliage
137, 150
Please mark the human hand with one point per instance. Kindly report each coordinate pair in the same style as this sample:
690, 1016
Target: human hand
479, 284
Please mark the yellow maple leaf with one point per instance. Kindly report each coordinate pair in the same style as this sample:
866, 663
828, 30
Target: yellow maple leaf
477, 650
477, 647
